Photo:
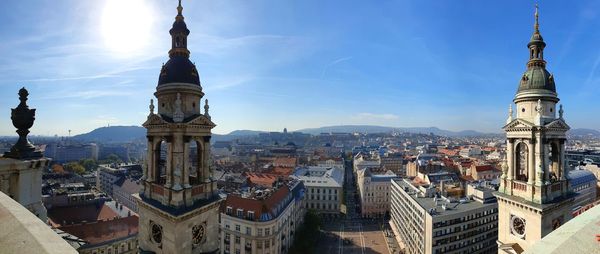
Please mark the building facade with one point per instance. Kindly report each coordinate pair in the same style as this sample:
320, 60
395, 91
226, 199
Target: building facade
262, 222
324, 188
425, 222
374, 192
178, 205
534, 196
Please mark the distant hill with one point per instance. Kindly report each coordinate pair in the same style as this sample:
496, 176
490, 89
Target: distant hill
113, 134
584, 132
244, 133
382, 129
121, 134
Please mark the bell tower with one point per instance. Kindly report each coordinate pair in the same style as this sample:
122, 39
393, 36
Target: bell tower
534, 196
178, 204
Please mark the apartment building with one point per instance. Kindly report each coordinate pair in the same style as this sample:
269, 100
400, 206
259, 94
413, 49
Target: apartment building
263, 221
374, 191
426, 222
324, 188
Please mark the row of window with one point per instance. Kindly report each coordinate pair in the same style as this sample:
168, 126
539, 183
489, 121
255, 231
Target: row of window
312, 197
318, 190
326, 206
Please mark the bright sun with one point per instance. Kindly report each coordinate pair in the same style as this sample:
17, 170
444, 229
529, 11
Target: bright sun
126, 25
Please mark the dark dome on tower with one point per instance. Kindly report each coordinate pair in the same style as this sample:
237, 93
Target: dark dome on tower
179, 68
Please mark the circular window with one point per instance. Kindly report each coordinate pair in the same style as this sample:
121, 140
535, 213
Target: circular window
197, 233
163, 105
156, 233
523, 110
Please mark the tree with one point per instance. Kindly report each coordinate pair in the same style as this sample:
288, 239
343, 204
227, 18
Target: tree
306, 237
112, 158
57, 168
88, 164
74, 167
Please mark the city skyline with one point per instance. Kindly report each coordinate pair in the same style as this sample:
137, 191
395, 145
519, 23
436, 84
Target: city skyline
421, 64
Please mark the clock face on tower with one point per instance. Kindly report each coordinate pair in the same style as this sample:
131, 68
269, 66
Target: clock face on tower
156, 232
517, 226
198, 233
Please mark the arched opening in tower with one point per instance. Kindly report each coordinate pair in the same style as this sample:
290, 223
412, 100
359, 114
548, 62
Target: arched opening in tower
161, 162
554, 159
521, 163
195, 161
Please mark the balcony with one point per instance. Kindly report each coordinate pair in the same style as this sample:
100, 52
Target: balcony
556, 186
519, 186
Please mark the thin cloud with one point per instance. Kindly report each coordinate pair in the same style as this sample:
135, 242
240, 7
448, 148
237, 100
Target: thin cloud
333, 63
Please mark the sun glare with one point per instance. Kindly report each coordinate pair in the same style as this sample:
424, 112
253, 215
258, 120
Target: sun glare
126, 25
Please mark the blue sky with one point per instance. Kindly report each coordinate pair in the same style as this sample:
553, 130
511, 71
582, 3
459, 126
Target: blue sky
266, 65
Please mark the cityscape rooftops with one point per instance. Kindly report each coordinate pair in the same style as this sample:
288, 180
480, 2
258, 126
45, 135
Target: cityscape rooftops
320, 176
431, 201
262, 204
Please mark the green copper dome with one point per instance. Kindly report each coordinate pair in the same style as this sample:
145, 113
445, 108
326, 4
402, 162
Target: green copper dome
537, 78
536, 82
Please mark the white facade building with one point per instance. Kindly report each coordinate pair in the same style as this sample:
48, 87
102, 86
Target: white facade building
374, 190
425, 223
324, 188
263, 222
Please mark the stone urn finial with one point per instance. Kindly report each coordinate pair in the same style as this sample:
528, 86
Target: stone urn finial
23, 118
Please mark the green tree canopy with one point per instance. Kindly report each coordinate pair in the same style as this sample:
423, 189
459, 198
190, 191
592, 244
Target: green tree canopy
88, 164
74, 167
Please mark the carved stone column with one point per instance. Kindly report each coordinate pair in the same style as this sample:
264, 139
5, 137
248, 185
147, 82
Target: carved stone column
546, 162
149, 159
510, 154
539, 158
178, 148
186, 162
206, 159
564, 170
169, 164
530, 162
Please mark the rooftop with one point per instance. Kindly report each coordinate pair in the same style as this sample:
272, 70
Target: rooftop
22, 232
579, 235
455, 206
320, 176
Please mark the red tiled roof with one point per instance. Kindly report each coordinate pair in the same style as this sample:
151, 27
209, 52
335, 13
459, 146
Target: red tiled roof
482, 168
259, 207
266, 180
281, 171
283, 161
78, 214
103, 231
